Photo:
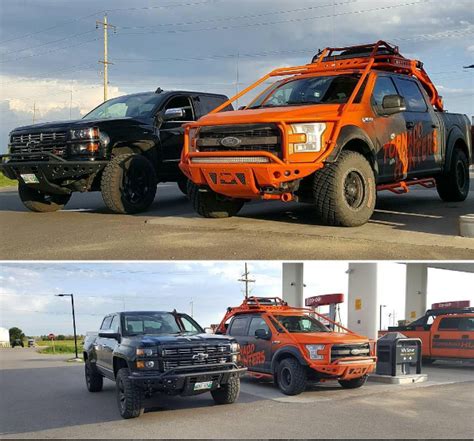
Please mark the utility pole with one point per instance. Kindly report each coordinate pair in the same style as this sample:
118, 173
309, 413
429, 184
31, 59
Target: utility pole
380, 317
34, 112
246, 280
73, 319
192, 307
105, 61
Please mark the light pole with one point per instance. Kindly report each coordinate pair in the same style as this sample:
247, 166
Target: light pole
73, 318
380, 317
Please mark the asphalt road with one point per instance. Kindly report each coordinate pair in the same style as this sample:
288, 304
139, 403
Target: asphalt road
45, 397
417, 225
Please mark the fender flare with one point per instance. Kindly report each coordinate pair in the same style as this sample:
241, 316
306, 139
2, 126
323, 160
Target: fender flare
454, 136
121, 358
287, 350
353, 133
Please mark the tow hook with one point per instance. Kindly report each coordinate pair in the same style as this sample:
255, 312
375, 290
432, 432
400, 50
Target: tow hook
287, 197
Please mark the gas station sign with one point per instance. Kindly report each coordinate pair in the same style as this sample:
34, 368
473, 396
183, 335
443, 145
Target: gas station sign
456, 304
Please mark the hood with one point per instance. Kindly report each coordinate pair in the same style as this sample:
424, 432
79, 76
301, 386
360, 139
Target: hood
76, 124
331, 338
319, 112
171, 339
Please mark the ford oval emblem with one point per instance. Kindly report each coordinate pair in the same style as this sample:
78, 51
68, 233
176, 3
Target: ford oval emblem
230, 141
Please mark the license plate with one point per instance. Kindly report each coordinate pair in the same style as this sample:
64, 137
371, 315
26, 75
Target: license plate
30, 179
203, 385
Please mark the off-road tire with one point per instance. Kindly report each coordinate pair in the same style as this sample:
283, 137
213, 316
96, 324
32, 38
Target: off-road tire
227, 393
128, 184
94, 380
183, 186
40, 202
212, 205
354, 383
129, 397
291, 377
344, 192
454, 185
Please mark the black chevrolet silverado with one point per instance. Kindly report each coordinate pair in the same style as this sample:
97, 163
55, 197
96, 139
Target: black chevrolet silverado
123, 148
151, 352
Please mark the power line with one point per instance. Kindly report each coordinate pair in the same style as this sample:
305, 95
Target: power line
291, 20
238, 17
171, 5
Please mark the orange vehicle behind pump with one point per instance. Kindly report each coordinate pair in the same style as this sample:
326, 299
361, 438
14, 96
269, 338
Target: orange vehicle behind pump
445, 333
291, 346
330, 133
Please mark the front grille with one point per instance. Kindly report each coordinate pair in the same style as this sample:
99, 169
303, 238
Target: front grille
35, 144
251, 138
345, 351
189, 356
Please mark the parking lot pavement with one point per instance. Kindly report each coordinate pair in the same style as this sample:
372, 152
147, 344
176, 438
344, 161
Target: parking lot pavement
416, 225
43, 396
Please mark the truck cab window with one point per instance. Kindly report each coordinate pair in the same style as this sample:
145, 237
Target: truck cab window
115, 324
412, 94
106, 323
450, 323
238, 326
182, 102
189, 326
257, 323
384, 86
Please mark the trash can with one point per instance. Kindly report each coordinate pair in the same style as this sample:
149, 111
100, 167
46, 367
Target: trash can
397, 355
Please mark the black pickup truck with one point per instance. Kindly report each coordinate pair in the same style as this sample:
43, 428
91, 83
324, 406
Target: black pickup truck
123, 148
166, 352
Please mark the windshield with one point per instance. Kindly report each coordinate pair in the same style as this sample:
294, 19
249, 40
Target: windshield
160, 323
301, 323
132, 106
334, 89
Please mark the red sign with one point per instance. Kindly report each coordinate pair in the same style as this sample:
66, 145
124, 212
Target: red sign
51, 336
457, 304
326, 299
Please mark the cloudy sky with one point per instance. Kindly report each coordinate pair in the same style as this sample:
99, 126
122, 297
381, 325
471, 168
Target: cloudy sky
27, 290
49, 49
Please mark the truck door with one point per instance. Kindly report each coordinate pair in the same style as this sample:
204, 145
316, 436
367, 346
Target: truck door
99, 343
260, 341
422, 131
109, 344
238, 328
172, 133
453, 338
388, 130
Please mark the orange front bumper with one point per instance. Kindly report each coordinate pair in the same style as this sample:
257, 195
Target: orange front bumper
248, 180
347, 368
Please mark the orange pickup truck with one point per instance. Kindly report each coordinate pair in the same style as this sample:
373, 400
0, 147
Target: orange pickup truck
354, 121
291, 346
444, 333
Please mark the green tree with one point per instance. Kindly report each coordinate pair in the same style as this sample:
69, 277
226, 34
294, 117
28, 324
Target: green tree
61, 337
16, 334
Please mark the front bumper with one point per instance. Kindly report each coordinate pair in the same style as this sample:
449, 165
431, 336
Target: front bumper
49, 172
346, 368
248, 180
181, 381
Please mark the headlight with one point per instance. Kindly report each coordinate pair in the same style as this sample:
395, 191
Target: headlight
142, 352
193, 137
234, 347
307, 137
104, 139
314, 351
88, 133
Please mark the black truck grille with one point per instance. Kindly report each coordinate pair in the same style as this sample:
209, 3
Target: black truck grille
344, 351
34, 144
250, 137
188, 356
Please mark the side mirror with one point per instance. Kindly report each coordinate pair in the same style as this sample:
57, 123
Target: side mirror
110, 334
262, 334
392, 104
175, 113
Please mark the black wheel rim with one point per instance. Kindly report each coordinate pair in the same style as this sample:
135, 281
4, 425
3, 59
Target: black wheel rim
460, 175
286, 377
121, 394
354, 190
135, 184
